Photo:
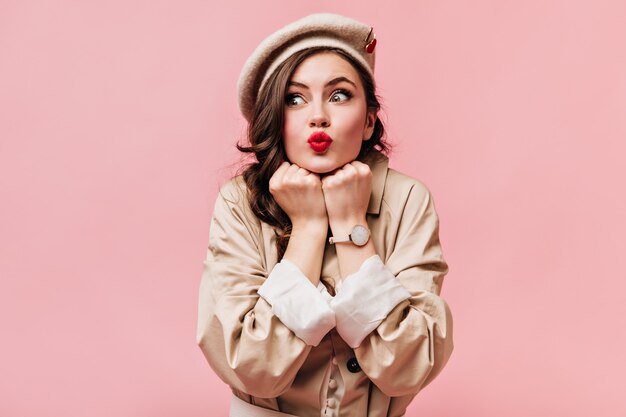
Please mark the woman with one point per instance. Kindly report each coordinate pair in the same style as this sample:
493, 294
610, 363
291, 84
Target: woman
320, 293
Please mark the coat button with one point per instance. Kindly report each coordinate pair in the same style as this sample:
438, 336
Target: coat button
353, 365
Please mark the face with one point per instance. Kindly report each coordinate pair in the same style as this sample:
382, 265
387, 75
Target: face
325, 94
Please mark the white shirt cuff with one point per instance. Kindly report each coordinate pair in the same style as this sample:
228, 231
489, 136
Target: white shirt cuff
298, 304
364, 299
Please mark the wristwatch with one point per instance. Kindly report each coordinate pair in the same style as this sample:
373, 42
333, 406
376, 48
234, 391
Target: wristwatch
359, 236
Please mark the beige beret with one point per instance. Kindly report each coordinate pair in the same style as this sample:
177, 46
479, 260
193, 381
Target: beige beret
320, 29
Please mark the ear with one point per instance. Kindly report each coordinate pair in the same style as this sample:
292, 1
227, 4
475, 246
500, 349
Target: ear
370, 122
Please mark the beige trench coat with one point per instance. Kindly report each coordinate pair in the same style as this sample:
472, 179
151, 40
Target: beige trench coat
266, 364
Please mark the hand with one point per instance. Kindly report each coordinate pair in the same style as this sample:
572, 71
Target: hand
299, 193
347, 194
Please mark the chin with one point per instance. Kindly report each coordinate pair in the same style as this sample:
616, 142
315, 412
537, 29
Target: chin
323, 164
321, 169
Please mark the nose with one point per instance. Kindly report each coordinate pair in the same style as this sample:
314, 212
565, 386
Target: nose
318, 117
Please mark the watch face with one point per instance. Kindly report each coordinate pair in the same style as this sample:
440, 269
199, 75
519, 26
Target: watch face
360, 235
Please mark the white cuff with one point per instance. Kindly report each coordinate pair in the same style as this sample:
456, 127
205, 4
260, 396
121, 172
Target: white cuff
364, 299
297, 303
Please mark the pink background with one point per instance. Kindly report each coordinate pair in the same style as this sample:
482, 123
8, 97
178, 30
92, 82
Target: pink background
117, 124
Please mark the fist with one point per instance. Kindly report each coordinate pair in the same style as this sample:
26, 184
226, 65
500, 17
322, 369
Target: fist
299, 193
347, 193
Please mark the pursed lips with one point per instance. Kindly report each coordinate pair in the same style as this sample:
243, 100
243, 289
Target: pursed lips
319, 141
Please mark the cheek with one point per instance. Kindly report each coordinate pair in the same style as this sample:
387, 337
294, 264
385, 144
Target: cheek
353, 124
291, 122
290, 130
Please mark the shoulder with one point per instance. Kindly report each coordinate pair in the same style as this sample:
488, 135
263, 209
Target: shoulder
401, 190
233, 201
234, 191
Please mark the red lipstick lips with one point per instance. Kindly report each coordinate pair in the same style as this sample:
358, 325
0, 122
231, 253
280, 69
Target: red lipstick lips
319, 141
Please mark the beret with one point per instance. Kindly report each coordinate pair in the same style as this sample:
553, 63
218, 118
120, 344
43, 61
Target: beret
319, 29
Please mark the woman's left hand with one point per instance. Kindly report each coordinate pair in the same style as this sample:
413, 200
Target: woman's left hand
347, 193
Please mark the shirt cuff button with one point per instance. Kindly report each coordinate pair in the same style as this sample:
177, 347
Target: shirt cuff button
353, 365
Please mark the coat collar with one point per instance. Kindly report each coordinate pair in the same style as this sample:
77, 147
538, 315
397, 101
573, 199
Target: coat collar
378, 164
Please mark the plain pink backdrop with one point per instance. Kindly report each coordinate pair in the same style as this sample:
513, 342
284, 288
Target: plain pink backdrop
118, 121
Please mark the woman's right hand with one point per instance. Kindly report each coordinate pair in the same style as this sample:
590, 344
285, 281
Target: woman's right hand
299, 193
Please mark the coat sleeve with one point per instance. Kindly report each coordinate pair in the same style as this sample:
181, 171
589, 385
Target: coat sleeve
412, 344
244, 341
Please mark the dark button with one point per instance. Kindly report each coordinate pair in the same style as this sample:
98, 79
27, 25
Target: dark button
353, 365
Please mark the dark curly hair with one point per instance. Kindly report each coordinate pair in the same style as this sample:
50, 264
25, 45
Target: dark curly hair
266, 143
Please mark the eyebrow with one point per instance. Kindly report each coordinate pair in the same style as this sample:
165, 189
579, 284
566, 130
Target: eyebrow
334, 81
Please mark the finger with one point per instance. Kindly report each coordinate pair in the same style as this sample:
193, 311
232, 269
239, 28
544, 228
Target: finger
361, 168
324, 180
358, 166
294, 174
277, 178
293, 169
330, 181
349, 169
282, 168
346, 173
309, 176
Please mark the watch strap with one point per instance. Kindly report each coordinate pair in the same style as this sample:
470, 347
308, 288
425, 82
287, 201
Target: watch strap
354, 237
339, 239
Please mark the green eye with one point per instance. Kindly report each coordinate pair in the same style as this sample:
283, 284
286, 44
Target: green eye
340, 95
293, 100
